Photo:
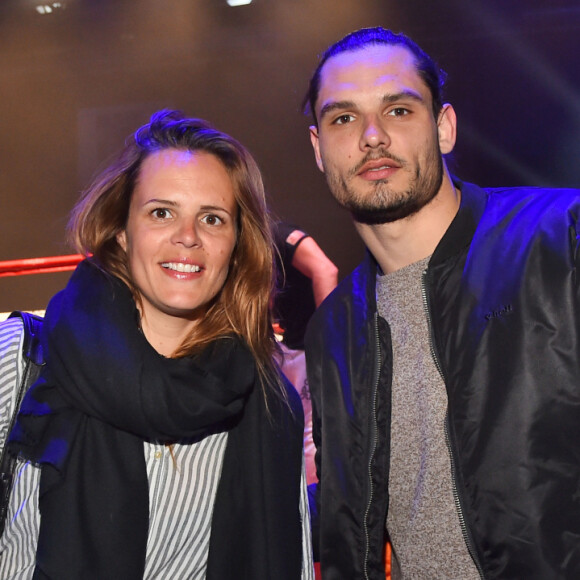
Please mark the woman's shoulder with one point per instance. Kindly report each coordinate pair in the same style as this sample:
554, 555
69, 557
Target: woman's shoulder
11, 337
11, 340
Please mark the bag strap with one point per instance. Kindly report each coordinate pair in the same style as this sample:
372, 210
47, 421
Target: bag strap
33, 360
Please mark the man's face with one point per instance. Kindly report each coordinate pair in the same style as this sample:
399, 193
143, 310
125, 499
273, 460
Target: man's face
377, 141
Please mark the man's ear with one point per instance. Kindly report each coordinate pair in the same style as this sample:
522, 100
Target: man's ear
314, 139
447, 128
122, 240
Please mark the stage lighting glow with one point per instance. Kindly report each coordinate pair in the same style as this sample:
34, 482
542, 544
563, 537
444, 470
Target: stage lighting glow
49, 8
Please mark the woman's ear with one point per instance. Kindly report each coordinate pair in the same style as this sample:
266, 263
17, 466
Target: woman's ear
122, 240
447, 128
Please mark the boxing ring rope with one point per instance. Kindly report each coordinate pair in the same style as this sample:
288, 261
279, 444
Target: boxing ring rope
39, 265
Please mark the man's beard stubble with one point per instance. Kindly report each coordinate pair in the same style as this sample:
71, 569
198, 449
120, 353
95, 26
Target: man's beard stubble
385, 205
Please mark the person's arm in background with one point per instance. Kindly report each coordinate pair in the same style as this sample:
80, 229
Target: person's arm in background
310, 260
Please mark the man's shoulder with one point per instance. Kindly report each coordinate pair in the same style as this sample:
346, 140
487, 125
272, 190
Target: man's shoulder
349, 303
356, 286
491, 205
545, 194
535, 206
520, 191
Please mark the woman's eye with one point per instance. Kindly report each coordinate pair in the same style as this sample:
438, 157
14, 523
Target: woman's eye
212, 220
161, 213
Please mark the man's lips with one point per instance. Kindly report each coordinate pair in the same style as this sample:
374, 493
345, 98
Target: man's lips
378, 169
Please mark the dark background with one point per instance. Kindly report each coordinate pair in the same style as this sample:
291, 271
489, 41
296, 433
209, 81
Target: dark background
74, 83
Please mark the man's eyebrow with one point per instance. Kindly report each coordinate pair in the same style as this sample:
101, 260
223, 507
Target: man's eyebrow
387, 99
402, 96
336, 106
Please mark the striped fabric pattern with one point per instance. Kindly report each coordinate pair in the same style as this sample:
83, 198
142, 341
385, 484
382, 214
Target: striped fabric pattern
181, 499
18, 543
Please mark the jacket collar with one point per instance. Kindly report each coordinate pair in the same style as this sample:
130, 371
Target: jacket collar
462, 228
458, 235
460, 232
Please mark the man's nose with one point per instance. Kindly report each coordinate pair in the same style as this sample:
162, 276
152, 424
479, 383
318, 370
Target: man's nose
374, 134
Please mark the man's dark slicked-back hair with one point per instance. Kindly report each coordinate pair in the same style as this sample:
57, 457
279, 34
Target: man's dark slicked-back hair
430, 73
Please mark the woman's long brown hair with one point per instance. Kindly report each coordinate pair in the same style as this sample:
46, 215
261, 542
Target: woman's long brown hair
242, 307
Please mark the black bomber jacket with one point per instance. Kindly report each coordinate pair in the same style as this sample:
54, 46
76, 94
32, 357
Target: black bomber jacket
502, 298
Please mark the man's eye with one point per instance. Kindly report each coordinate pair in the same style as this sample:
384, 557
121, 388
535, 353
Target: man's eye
398, 112
161, 213
343, 119
212, 220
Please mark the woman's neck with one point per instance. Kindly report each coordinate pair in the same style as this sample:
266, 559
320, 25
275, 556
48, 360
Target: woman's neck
165, 333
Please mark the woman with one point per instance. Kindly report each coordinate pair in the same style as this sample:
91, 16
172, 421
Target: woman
162, 342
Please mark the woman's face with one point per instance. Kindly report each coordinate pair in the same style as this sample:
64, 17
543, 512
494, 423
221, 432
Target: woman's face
180, 233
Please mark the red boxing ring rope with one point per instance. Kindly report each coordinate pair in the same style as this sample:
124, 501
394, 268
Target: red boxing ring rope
39, 265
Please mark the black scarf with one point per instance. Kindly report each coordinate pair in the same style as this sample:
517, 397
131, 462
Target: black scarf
102, 392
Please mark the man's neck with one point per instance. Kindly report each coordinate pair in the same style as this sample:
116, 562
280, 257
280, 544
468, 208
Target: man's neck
397, 244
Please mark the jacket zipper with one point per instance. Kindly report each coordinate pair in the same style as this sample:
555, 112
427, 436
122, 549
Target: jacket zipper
373, 445
457, 501
456, 498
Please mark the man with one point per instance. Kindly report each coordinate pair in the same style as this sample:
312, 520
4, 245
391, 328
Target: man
444, 370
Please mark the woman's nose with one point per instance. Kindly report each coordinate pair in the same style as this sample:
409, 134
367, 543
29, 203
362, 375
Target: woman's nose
187, 234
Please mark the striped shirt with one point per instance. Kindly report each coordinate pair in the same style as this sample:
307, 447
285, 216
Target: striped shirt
182, 491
